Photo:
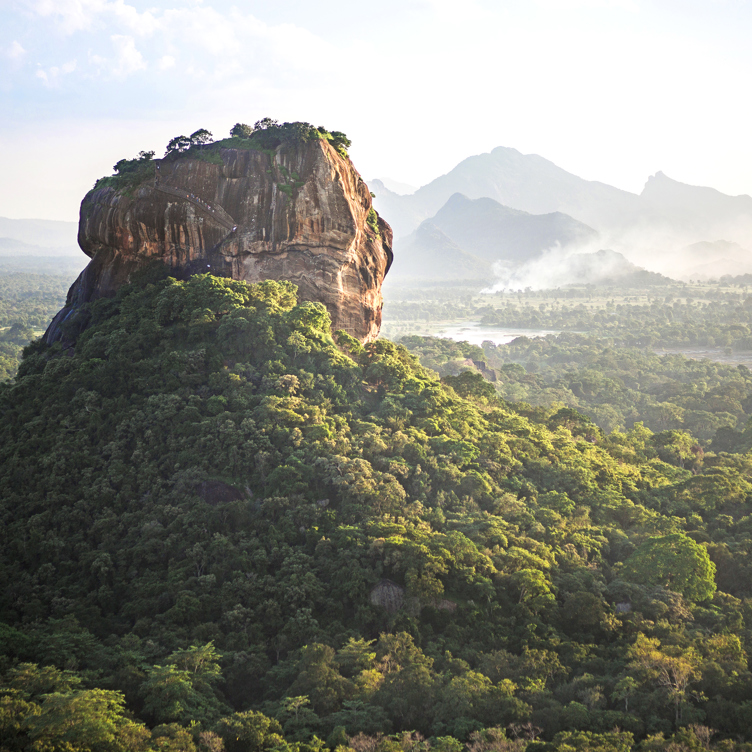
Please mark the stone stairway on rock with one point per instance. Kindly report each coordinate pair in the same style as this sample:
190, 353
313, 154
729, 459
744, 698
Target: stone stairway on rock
217, 213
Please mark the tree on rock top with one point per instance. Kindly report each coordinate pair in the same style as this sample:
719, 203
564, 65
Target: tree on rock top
178, 144
200, 137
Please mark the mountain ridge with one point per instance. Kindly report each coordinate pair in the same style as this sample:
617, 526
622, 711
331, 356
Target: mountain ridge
43, 236
666, 212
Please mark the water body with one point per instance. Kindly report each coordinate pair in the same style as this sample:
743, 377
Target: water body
475, 334
716, 354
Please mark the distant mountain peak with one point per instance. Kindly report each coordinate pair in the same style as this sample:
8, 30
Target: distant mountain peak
482, 207
661, 181
393, 186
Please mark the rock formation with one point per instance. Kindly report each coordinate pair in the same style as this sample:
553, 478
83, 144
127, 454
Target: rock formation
300, 212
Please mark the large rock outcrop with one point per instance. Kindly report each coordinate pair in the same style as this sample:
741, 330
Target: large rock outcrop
300, 212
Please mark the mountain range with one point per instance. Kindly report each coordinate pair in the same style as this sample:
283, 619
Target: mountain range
526, 182
533, 184
657, 228
40, 246
467, 237
39, 237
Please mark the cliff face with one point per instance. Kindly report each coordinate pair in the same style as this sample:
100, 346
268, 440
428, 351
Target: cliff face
299, 213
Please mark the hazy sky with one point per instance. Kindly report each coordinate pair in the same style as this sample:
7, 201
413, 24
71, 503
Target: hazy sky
612, 90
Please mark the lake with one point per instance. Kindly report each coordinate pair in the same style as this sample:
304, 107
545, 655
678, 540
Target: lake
476, 334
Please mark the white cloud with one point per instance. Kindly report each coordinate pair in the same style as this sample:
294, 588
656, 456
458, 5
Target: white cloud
51, 76
15, 51
97, 61
15, 54
165, 62
211, 42
129, 59
202, 28
71, 15
141, 24
80, 15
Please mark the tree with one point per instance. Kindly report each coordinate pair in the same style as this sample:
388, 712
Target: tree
583, 615
178, 144
264, 124
471, 385
341, 142
675, 562
678, 448
184, 691
358, 717
87, 719
201, 136
241, 130
202, 661
298, 343
408, 688
35, 681
356, 655
301, 721
172, 737
535, 592
672, 669
624, 689
490, 740
586, 741
320, 680
250, 731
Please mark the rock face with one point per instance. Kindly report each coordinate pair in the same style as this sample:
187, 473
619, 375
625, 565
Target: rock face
299, 212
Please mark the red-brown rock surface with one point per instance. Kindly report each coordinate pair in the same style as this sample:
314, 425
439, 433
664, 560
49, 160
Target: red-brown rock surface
300, 213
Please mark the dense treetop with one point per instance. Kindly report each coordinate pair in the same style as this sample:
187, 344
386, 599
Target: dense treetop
266, 135
617, 387
221, 526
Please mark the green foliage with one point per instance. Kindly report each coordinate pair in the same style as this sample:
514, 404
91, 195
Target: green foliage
372, 220
680, 318
675, 562
338, 140
130, 172
269, 134
472, 386
86, 719
201, 136
241, 130
27, 304
250, 731
615, 387
45, 709
266, 135
246, 533
671, 362
584, 741
178, 144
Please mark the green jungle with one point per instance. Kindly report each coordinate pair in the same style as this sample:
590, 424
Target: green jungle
224, 528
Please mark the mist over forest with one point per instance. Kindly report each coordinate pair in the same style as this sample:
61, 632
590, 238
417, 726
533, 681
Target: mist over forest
537, 226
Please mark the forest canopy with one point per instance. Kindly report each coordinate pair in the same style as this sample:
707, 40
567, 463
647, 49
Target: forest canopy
224, 527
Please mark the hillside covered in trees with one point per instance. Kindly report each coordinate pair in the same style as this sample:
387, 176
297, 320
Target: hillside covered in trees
222, 528
675, 361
